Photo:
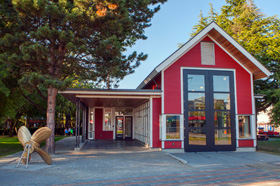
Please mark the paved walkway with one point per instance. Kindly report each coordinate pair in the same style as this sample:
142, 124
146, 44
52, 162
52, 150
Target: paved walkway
130, 163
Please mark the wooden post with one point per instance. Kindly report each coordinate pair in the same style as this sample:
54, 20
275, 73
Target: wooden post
83, 125
77, 121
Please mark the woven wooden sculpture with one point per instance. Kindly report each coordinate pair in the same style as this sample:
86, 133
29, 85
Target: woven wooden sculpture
32, 143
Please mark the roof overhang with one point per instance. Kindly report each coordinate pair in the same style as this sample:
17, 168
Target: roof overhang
110, 98
226, 42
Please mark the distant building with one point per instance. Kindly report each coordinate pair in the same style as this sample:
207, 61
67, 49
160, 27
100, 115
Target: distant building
264, 121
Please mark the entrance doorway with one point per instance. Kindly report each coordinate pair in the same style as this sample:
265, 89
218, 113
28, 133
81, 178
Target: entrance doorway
123, 127
209, 111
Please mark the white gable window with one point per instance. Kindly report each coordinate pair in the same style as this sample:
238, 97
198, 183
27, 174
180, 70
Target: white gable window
207, 53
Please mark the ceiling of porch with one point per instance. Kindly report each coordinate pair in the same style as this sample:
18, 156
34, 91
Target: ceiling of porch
110, 98
112, 102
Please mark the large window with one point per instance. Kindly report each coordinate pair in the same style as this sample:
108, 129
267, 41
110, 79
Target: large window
244, 127
173, 127
107, 125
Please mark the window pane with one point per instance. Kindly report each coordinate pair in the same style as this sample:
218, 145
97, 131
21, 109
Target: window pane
108, 120
197, 136
244, 127
221, 101
119, 125
196, 82
222, 118
197, 119
172, 127
196, 101
222, 137
221, 83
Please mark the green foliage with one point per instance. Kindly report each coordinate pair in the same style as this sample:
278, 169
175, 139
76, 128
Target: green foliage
259, 35
9, 146
59, 41
51, 44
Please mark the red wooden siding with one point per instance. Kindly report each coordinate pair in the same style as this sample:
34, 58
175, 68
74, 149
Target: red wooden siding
172, 84
246, 143
99, 133
173, 144
156, 113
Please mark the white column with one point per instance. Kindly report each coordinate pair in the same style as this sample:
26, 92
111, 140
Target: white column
151, 122
253, 129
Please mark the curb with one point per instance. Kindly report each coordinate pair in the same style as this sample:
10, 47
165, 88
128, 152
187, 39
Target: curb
178, 159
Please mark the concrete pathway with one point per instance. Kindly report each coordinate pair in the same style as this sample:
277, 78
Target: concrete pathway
130, 163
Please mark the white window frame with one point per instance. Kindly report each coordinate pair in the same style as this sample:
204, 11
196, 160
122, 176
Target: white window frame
103, 127
250, 125
163, 127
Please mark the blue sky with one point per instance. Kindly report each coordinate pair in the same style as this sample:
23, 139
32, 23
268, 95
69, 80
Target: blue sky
172, 25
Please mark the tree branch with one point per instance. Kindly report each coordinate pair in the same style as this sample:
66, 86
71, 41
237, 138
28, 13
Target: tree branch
33, 103
40, 93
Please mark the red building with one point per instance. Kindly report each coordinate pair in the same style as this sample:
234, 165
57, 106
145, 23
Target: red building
199, 99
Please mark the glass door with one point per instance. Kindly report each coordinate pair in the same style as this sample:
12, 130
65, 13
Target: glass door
128, 127
119, 127
209, 110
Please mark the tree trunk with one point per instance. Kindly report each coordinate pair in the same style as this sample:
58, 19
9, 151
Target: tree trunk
67, 123
52, 92
11, 132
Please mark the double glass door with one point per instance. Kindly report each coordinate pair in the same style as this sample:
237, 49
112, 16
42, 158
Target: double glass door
123, 127
209, 111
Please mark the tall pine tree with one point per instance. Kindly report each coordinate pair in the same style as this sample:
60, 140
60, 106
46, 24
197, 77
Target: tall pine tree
57, 41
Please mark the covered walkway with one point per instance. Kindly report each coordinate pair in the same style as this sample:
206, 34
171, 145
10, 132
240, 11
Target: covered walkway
114, 146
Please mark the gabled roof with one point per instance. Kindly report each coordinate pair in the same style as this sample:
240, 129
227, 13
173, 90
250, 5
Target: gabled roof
226, 42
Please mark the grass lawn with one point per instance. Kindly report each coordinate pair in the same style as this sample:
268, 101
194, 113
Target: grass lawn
12, 145
270, 146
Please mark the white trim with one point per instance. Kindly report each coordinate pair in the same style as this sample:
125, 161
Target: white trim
162, 95
109, 93
124, 97
209, 68
182, 127
253, 128
182, 90
151, 122
258, 96
230, 55
237, 130
163, 132
235, 91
